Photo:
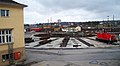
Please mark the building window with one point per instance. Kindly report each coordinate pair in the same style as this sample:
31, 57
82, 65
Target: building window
4, 13
5, 36
7, 57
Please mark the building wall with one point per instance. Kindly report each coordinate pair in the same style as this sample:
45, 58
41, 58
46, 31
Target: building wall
15, 22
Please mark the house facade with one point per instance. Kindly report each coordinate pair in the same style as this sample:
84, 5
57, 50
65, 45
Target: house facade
12, 48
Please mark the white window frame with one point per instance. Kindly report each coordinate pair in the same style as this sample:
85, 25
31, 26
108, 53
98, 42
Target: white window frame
5, 36
5, 13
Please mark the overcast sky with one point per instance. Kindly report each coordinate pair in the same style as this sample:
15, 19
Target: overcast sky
39, 11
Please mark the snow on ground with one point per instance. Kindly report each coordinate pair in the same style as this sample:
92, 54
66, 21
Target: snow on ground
74, 41
53, 44
92, 37
53, 38
32, 44
56, 44
36, 38
29, 45
82, 44
71, 42
97, 43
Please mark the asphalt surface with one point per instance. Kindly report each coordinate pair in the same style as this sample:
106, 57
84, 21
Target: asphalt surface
104, 56
74, 57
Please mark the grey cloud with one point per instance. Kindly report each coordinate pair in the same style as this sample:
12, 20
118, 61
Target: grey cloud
94, 9
90, 5
47, 7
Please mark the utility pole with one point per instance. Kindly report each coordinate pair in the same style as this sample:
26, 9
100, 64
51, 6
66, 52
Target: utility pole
113, 21
50, 24
107, 21
47, 26
51, 19
113, 17
108, 18
48, 20
114, 24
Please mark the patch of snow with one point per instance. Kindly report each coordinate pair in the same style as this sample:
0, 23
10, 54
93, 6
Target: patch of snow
53, 44
74, 41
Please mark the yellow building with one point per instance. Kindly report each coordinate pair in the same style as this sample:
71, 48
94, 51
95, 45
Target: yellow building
12, 48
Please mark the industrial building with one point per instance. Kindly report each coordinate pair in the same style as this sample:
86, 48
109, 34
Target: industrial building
12, 50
